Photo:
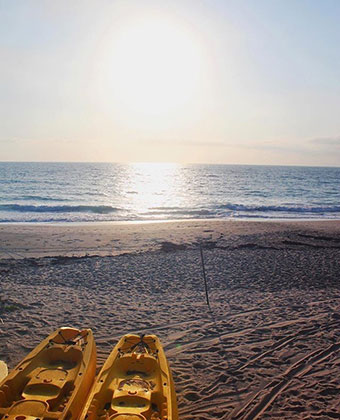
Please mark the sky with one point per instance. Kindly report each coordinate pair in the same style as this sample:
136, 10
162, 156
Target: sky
188, 81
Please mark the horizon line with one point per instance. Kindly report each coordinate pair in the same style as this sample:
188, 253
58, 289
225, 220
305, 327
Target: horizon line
171, 163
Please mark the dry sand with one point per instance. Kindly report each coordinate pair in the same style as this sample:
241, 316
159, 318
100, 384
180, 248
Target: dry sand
270, 346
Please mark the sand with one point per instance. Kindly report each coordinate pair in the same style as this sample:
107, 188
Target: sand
41, 240
268, 348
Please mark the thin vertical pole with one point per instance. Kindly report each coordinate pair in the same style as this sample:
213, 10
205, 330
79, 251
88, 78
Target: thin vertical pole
204, 276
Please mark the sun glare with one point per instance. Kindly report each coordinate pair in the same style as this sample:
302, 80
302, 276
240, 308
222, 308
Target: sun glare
154, 185
154, 68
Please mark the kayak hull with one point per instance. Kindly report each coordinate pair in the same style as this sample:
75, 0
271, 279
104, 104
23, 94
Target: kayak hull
135, 383
53, 381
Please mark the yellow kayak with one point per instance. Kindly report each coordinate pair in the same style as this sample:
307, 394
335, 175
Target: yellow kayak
53, 381
3, 370
135, 383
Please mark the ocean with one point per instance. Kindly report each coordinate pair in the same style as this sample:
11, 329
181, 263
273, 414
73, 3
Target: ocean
98, 192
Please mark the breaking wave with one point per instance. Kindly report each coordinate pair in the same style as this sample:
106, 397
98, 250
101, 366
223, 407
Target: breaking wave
58, 209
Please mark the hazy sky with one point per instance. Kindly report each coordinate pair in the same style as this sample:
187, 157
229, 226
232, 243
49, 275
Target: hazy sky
212, 81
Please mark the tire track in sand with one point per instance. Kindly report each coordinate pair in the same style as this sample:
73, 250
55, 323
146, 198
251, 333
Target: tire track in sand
278, 385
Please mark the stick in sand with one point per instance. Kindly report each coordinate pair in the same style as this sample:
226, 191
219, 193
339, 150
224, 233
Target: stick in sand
205, 279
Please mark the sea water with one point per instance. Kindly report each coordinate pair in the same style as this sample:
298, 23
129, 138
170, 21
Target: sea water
93, 192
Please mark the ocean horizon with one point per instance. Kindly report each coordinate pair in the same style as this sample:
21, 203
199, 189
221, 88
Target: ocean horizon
58, 192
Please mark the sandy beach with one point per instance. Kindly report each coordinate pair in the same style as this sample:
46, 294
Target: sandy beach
268, 348
172, 168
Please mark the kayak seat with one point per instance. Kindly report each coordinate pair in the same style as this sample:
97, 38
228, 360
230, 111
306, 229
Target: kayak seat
127, 416
135, 404
47, 385
27, 410
132, 394
57, 356
132, 364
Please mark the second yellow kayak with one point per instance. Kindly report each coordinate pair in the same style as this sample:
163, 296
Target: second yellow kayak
135, 383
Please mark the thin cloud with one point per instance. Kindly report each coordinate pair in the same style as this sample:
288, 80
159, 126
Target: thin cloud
25, 140
329, 146
193, 143
327, 141
205, 143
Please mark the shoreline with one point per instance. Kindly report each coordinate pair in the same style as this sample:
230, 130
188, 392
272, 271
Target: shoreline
116, 238
142, 222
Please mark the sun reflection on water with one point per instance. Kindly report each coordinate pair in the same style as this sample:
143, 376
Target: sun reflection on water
151, 187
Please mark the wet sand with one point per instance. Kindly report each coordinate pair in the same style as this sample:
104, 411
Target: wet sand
41, 240
268, 348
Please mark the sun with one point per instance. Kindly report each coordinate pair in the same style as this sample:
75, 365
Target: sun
153, 68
